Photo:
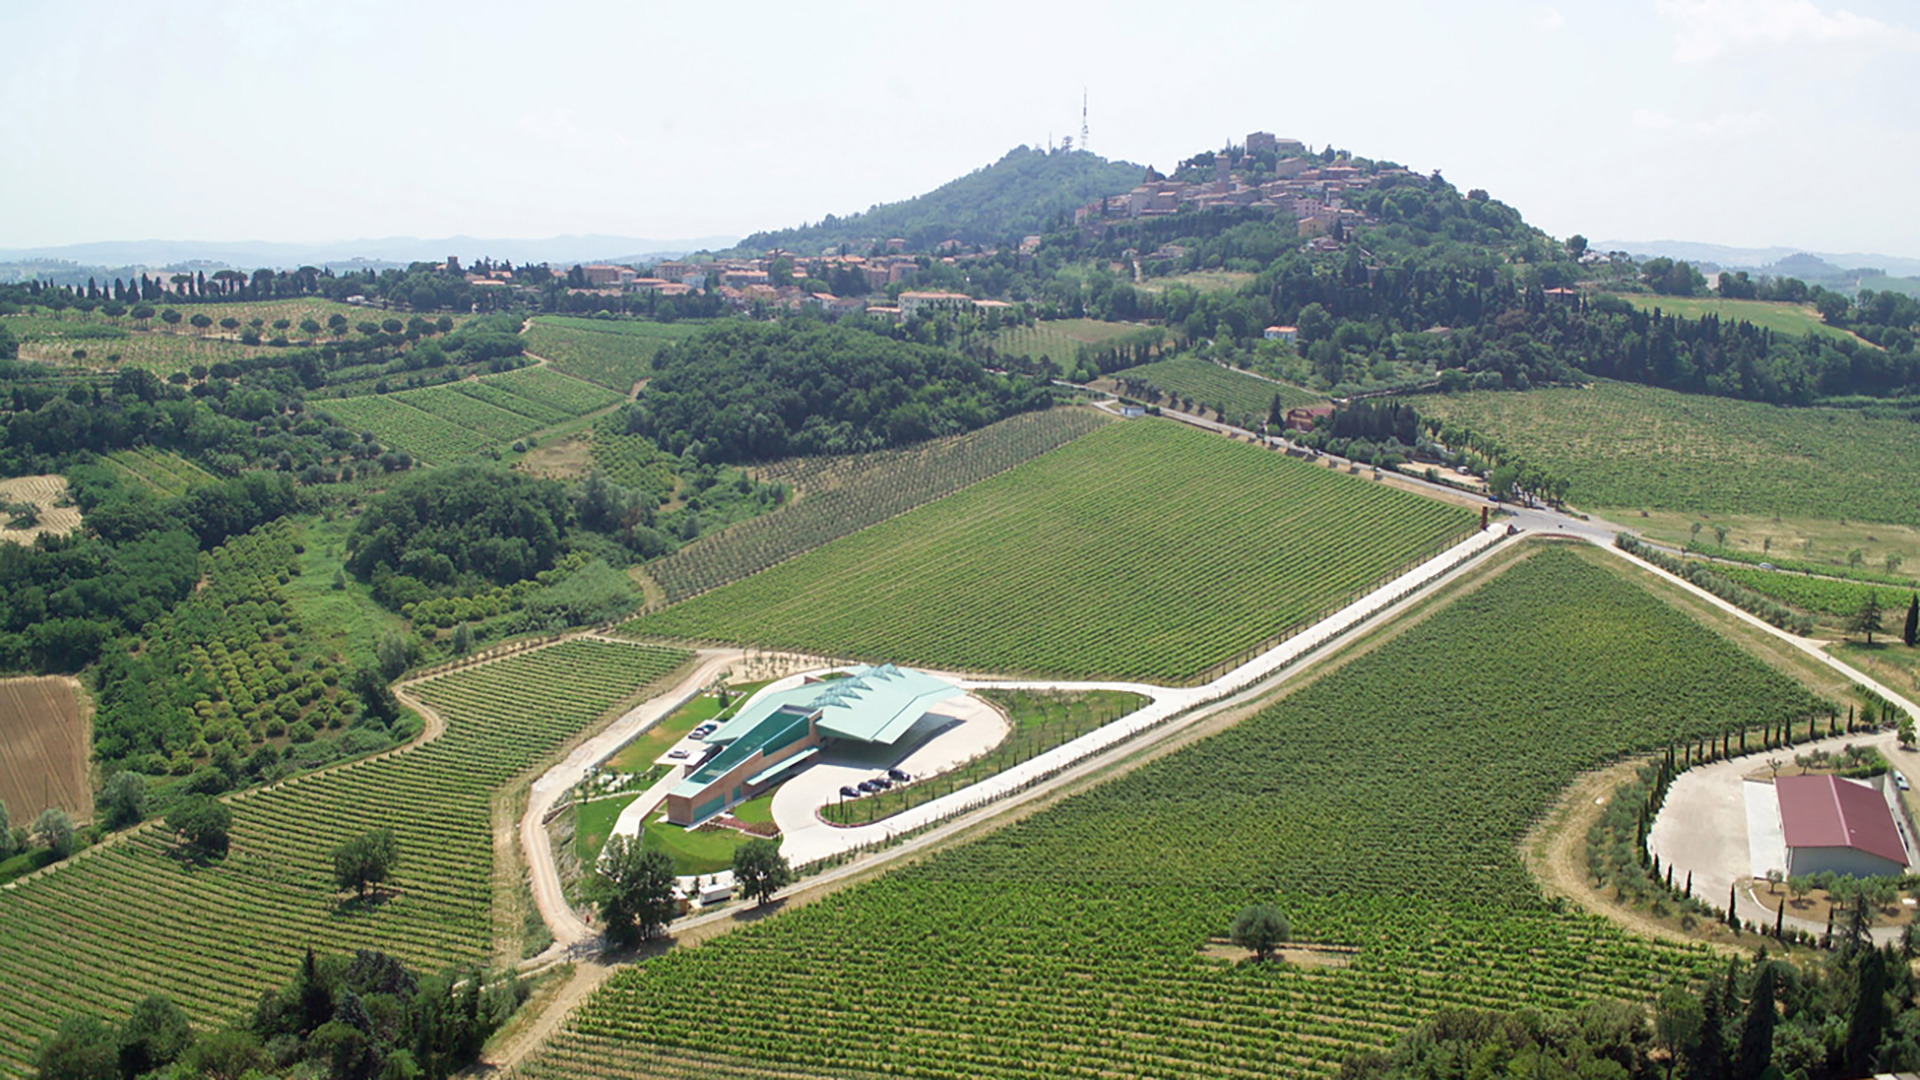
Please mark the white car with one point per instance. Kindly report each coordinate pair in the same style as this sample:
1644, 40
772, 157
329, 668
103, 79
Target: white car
1900, 780
677, 755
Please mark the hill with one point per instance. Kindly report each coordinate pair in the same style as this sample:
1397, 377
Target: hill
1023, 192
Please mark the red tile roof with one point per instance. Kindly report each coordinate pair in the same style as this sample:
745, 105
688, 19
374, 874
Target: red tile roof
1826, 811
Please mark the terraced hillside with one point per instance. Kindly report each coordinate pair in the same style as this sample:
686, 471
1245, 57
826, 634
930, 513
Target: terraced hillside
134, 919
1145, 550
1380, 807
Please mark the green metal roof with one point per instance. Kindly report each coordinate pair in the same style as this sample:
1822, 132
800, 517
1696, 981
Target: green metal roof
872, 704
879, 704
771, 726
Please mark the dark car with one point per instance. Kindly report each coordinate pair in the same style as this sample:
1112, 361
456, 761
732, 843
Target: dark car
880, 783
898, 776
848, 791
867, 786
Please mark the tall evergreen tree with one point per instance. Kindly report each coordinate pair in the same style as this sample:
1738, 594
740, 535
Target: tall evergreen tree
1911, 634
1870, 1014
1756, 1034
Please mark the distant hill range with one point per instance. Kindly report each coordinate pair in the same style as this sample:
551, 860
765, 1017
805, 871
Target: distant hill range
122, 257
1835, 271
1022, 193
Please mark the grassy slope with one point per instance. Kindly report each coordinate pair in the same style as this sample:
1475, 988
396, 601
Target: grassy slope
1144, 550
1211, 386
1631, 446
1798, 320
1363, 804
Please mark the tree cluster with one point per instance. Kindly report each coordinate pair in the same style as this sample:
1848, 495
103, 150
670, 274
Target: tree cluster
752, 392
1850, 1015
346, 1017
458, 529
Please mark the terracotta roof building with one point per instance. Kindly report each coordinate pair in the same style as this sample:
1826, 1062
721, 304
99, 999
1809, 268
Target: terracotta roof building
1846, 826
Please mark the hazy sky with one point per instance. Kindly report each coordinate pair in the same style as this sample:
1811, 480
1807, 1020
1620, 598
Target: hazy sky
1747, 122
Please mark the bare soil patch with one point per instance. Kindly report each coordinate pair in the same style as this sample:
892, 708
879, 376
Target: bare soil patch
45, 732
566, 458
47, 494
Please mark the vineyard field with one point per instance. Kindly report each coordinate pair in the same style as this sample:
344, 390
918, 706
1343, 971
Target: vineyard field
1821, 596
1635, 447
162, 471
611, 353
841, 495
397, 424
1213, 387
54, 513
1144, 550
441, 423
133, 919
1380, 806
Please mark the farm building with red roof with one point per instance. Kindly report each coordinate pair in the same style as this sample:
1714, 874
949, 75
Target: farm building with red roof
1846, 826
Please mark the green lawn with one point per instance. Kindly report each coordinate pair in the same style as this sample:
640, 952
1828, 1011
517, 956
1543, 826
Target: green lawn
1798, 320
704, 850
593, 823
1628, 447
757, 810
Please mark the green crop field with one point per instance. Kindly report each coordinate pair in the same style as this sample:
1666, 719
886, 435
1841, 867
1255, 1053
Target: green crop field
133, 919
614, 353
1062, 340
395, 423
839, 496
1380, 806
162, 471
1798, 320
441, 423
1145, 549
1632, 447
1212, 387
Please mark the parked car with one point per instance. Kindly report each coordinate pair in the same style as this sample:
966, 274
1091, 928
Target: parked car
848, 791
1900, 780
867, 786
898, 776
880, 783
677, 755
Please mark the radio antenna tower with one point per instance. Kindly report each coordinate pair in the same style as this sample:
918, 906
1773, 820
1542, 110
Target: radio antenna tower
1083, 118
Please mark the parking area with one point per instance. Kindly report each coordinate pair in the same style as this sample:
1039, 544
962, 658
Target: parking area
954, 733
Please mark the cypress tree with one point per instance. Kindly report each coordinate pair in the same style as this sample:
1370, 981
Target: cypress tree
1756, 1034
1689, 884
1870, 1015
1706, 1059
1780, 921
1733, 919
1912, 632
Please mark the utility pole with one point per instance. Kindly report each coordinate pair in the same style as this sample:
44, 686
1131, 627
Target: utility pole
1083, 118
